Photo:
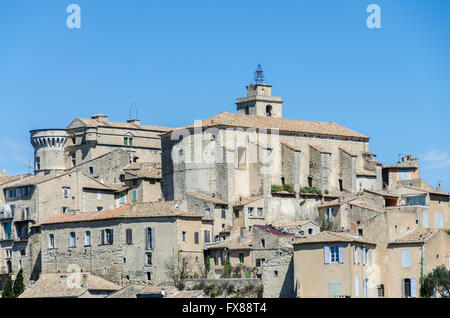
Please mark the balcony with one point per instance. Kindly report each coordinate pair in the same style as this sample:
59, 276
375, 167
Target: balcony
6, 214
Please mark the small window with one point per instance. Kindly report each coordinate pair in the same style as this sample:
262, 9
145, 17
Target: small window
183, 236
66, 192
250, 212
99, 195
260, 212
148, 259
106, 237
65, 210
224, 214
196, 238
269, 111
129, 236
91, 170
149, 276
263, 243
310, 231
309, 182
360, 232
275, 273
207, 212
87, 238
73, 239
241, 258
23, 252
206, 236
380, 289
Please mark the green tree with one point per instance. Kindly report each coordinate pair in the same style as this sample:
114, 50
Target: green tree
19, 286
436, 282
8, 292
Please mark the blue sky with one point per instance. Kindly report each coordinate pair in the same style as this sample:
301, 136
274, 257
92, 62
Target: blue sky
186, 60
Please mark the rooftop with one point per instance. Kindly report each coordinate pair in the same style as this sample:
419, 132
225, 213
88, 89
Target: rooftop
331, 237
414, 236
283, 124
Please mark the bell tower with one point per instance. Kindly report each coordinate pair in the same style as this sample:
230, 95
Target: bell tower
259, 100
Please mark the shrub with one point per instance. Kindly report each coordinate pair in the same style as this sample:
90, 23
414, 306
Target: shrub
230, 289
311, 190
260, 291
280, 188
209, 288
213, 294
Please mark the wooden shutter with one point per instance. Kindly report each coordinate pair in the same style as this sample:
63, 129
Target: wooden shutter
425, 219
413, 287
153, 239
406, 259
341, 254
357, 255
102, 236
147, 238
112, 237
326, 254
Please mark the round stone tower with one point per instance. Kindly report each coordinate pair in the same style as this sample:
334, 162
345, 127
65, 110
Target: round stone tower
49, 151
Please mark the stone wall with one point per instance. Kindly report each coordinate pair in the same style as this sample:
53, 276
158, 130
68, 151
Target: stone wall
278, 277
238, 283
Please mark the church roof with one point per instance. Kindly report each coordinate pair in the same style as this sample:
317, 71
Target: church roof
283, 124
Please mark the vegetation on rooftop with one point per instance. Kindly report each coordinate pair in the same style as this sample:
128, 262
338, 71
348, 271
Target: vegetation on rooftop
310, 190
282, 188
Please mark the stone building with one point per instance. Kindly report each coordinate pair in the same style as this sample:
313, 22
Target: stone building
250, 154
278, 275
128, 245
406, 169
87, 139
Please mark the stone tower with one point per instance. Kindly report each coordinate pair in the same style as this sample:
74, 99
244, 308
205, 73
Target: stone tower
49, 150
259, 100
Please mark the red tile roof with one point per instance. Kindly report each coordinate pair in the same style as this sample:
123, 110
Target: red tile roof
273, 230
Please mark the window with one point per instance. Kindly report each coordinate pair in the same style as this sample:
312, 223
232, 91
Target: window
183, 236
99, 208
241, 258
335, 290
283, 180
360, 232
438, 220
134, 195
207, 212
309, 182
334, 254
260, 212
310, 231
224, 214
122, 197
260, 261
417, 200
356, 286
356, 259
250, 212
196, 238
87, 238
91, 170
38, 163
51, 241
106, 237
241, 157
403, 174
425, 219
149, 276
23, 252
99, 195
246, 110
73, 239
380, 289
129, 236
329, 214
406, 259
269, 111
409, 287
148, 259
64, 210
263, 243
206, 236
341, 187
149, 238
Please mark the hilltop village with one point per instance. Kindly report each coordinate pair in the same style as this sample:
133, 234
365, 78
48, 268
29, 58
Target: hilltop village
247, 204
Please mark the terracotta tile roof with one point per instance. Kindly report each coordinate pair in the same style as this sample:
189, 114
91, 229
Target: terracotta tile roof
248, 200
338, 201
272, 230
289, 146
347, 152
289, 225
98, 123
206, 197
382, 193
56, 285
6, 179
426, 191
364, 205
91, 183
364, 172
148, 170
320, 149
35, 180
331, 237
234, 241
186, 294
145, 210
414, 236
283, 124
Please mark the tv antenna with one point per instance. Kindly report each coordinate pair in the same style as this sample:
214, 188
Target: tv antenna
259, 75
133, 111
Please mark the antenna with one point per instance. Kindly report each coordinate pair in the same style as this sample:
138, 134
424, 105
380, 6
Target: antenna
133, 110
259, 75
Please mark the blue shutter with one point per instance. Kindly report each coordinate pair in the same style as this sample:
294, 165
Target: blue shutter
341, 254
364, 256
326, 254
425, 219
356, 286
413, 287
370, 256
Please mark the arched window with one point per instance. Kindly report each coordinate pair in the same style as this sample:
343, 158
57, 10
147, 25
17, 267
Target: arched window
269, 111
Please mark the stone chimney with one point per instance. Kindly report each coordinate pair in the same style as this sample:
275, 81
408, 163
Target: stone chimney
134, 121
100, 117
439, 187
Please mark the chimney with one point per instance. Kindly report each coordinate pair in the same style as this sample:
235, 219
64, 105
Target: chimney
439, 187
134, 121
100, 117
